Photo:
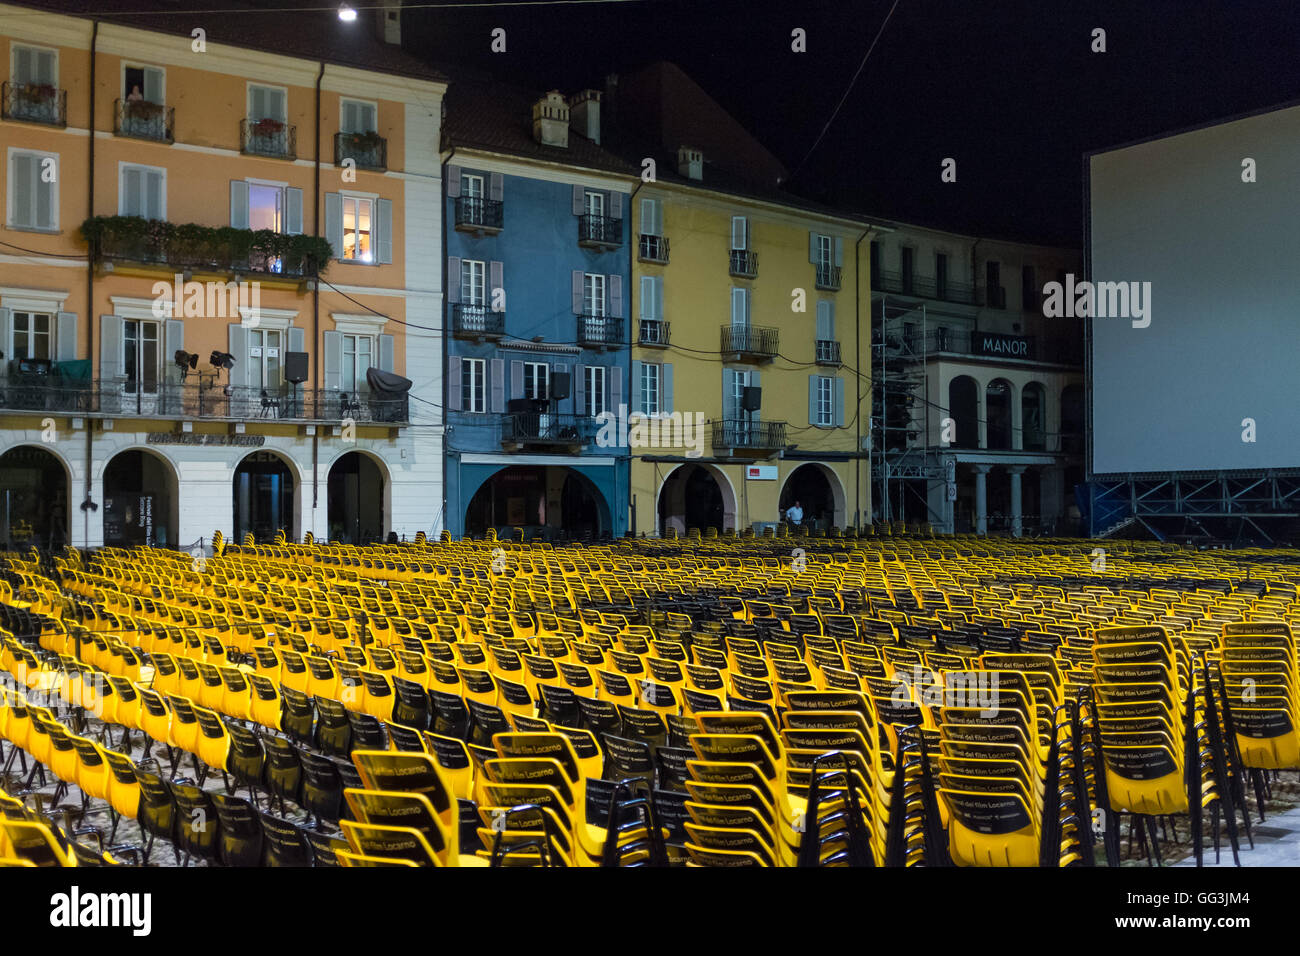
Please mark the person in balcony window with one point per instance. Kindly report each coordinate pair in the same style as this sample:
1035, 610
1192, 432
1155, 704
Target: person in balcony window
135, 96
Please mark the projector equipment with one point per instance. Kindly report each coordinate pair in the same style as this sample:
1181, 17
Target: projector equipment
185, 361
752, 398
561, 382
295, 367
221, 360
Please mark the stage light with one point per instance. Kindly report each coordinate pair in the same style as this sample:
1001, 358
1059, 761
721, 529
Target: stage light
221, 360
346, 13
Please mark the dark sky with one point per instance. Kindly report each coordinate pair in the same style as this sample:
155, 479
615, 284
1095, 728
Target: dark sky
1009, 88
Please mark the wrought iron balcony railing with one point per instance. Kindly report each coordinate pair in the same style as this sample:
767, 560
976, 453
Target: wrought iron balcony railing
828, 352
754, 435
600, 231
367, 150
477, 321
268, 138
828, 277
143, 120
536, 429
744, 263
653, 333
476, 214
653, 248
34, 103
750, 340
599, 331
925, 287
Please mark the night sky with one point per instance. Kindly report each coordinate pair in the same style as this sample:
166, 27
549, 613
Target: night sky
1009, 88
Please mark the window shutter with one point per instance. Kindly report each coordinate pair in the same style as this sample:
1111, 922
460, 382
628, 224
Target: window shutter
812, 399
634, 389
839, 403
238, 347
823, 321
132, 203
66, 338
578, 280
496, 280
384, 228
812, 247
659, 297
297, 339
516, 379
616, 296
579, 199
740, 307
666, 388
333, 360
454, 383
498, 385
830, 319
5, 345
579, 389
23, 71
754, 381
563, 405
45, 68
387, 359
293, 211
839, 251
110, 347
25, 187
174, 340
153, 85
648, 217
239, 204
728, 396
614, 375
351, 117
647, 297
739, 232
334, 222
453, 279
155, 205
616, 205
453, 182
496, 187
275, 101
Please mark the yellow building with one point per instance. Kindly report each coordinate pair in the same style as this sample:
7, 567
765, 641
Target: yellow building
752, 350
194, 155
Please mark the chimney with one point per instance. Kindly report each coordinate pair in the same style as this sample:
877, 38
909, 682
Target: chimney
551, 120
584, 112
388, 22
690, 162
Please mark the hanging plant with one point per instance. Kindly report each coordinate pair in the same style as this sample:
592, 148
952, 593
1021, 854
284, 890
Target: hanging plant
220, 247
268, 127
35, 93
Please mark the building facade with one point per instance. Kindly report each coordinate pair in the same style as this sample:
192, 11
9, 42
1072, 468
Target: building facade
182, 355
979, 397
538, 306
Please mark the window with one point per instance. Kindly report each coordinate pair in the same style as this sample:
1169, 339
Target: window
473, 290
941, 274
266, 103
537, 381
875, 259
358, 117
472, 385
739, 232
34, 66
357, 353
825, 402
595, 203
142, 191
264, 358
142, 356
33, 190
738, 380
593, 294
142, 84
358, 222
825, 253
265, 207
32, 335
594, 398
993, 283
651, 376
35, 85
471, 186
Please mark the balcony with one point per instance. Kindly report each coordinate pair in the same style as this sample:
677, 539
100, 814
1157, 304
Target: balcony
538, 430
653, 334
599, 332
925, 287
828, 278
267, 137
139, 119
744, 263
748, 342
200, 398
34, 103
828, 352
478, 215
653, 249
203, 249
367, 150
736, 434
600, 232
477, 322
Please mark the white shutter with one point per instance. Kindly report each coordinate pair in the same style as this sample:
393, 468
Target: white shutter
276, 103
257, 103
155, 183
293, 211
839, 251
386, 353
23, 65
579, 200
454, 366
173, 342
614, 376
739, 307
496, 187
65, 343
132, 198
739, 232
823, 321
238, 347
453, 182
634, 389
238, 204
333, 372
615, 205
839, 403
5, 345
153, 85
648, 218
498, 385
647, 297
384, 230
616, 296
813, 381
666, 388
351, 117
110, 347
334, 223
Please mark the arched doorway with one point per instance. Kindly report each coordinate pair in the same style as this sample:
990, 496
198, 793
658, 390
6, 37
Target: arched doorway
997, 411
545, 502
264, 488
963, 408
814, 486
33, 499
695, 496
140, 501
355, 499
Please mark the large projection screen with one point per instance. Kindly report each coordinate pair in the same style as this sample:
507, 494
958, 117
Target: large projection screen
1223, 259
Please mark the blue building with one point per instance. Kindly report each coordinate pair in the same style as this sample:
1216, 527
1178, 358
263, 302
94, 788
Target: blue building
538, 293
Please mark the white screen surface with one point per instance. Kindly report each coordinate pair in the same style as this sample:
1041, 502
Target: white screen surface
1223, 260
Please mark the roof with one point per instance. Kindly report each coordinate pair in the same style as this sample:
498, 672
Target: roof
487, 114
309, 33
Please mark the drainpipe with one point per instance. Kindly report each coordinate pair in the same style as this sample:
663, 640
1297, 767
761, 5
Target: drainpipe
857, 349
90, 295
632, 242
446, 349
315, 310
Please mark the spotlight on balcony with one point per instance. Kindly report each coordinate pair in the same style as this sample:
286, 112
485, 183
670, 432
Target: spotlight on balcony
221, 360
185, 361
346, 13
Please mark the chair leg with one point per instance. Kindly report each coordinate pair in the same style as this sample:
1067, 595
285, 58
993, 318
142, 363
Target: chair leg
1155, 841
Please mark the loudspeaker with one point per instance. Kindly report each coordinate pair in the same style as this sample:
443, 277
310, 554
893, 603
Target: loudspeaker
295, 367
751, 399
561, 382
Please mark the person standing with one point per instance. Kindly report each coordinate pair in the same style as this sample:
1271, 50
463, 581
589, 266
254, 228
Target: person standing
794, 514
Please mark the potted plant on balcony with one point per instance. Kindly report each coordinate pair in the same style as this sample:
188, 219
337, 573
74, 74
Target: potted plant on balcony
143, 110
367, 142
267, 127
34, 94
